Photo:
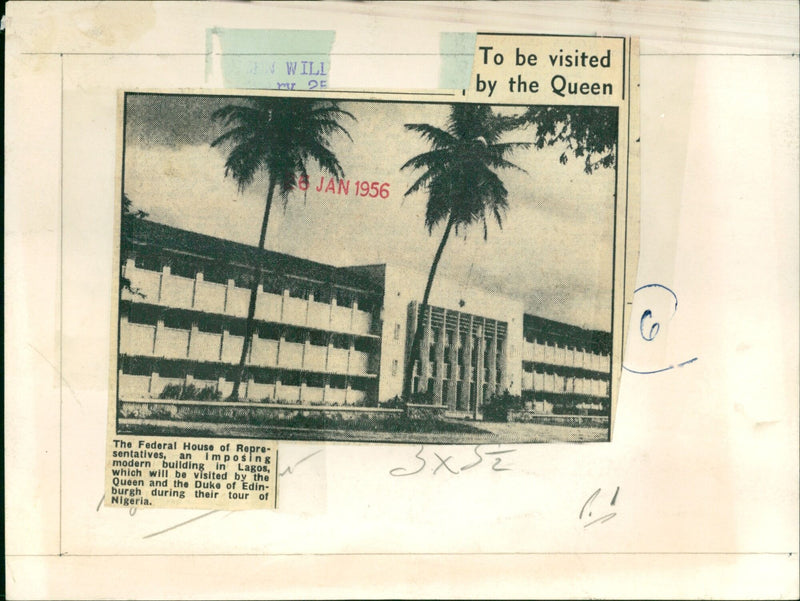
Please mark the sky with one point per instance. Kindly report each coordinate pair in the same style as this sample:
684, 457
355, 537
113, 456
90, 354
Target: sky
554, 251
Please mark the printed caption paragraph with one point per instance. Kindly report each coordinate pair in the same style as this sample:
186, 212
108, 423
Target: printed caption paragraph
199, 473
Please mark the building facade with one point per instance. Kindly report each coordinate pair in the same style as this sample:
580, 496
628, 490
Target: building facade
328, 335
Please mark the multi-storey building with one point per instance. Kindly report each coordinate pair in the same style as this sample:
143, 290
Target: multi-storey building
333, 335
564, 365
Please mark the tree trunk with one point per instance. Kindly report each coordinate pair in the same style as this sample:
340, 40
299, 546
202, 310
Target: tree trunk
251, 308
409, 371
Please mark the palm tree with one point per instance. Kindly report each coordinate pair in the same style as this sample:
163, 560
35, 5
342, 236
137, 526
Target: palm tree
461, 180
276, 136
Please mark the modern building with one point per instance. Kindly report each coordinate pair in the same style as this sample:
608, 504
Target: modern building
328, 335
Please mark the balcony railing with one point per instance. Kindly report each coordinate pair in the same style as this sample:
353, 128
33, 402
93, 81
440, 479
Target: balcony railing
138, 386
165, 288
174, 343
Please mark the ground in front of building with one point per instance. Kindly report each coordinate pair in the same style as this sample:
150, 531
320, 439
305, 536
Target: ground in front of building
477, 432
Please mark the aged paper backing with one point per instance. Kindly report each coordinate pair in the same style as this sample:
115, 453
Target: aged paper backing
704, 455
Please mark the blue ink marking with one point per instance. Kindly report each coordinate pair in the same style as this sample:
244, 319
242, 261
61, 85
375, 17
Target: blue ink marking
653, 329
663, 287
648, 335
658, 371
645, 373
656, 327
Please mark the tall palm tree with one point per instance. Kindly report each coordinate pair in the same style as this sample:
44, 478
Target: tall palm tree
460, 176
276, 136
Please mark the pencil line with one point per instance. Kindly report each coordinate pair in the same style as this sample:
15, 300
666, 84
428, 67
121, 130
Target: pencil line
61, 316
426, 554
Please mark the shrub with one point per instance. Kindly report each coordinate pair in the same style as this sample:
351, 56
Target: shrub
190, 392
369, 401
497, 407
394, 403
421, 398
171, 391
209, 393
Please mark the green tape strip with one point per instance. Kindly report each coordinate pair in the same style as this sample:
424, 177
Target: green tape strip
290, 59
456, 51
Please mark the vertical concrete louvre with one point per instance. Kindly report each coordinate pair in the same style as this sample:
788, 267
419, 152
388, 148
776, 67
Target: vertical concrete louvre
479, 380
452, 386
439, 355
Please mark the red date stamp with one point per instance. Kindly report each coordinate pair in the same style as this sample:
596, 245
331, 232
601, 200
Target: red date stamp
346, 187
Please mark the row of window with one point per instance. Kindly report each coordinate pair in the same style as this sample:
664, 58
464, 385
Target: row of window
559, 355
137, 366
139, 313
460, 360
557, 383
587, 346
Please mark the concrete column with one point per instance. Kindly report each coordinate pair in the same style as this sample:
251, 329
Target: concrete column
424, 352
229, 286
306, 350
124, 335
452, 388
193, 332
128, 266
353, 315
157, 336
261, 300
165, 273
309, 300
284, 298
466, 369
154, 385
438, 386
479, 379
492, 380
281, 341
198, 278
350, 352
223, 342
253, 338
504, 365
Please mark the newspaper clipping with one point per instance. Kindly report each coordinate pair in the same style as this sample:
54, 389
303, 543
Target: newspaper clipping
445, 267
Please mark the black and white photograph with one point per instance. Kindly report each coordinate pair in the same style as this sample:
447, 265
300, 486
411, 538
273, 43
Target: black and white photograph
334, 268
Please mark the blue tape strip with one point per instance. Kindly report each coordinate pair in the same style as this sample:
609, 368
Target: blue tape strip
456, 51
270, 58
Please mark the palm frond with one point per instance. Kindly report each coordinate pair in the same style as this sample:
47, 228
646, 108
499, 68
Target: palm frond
432, 159
439, 138
279, 136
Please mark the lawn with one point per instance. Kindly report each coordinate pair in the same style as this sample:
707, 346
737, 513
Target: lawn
405, 431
